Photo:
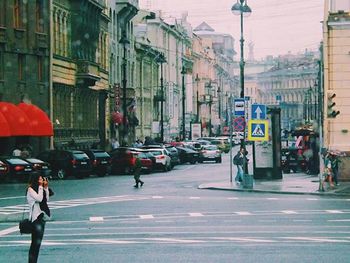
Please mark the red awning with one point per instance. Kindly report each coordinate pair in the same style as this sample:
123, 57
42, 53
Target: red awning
39, 121
17, 120
4, 127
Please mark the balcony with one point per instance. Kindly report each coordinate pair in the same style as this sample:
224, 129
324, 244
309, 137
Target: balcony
87, 73
127, 9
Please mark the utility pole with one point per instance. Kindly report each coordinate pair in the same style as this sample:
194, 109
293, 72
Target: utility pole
183, 104
161, 60
198, 109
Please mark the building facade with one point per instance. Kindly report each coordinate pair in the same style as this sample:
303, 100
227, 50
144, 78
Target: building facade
24, 62
80, 72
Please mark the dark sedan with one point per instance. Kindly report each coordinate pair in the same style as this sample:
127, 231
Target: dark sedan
17, 169
43, 168
100, 160
188, 155
66, 163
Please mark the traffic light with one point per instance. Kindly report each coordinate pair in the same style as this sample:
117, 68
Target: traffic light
331, 112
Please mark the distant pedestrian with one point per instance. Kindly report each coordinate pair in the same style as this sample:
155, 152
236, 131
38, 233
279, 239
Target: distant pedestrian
137, 172
240, 160
115, 144
334, 159
37, 197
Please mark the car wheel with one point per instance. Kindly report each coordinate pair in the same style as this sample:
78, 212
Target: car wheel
219, 160
61, 174
193, 162
101, 173
200, 161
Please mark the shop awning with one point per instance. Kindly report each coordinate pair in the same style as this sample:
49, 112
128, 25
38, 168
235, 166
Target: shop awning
39, 121
4, 127
17, 120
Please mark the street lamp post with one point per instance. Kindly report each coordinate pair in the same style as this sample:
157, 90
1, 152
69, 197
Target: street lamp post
161, 60
125, 42
242, 9
183, 72
198, 104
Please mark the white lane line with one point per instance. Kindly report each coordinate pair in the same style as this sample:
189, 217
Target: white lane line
12, 197
334, 211
243, 213
232, 198
272, 198
302, 220
321, 240
240, 239
8, 231
146, 216
96, 219
312, 199
289, 212
194, 197
196, 214
109, 241
339, 220
175, 240
157, 197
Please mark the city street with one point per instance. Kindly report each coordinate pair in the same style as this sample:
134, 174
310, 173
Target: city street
170, 220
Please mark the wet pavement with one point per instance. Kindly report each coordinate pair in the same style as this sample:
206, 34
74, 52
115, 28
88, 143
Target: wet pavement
297, 183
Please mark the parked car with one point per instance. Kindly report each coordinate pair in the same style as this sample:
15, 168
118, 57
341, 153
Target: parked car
210, 153
3, 169
222, 145
16, 169
65, 163
174, 155
40, 166
100, 161
163, 160
187, 155
123, 160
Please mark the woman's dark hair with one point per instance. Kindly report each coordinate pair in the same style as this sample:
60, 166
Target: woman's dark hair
34, 181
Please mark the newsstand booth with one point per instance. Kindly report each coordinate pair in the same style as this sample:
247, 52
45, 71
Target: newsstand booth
23, 125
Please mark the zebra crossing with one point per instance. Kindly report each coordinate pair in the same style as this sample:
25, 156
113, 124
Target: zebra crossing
10, 210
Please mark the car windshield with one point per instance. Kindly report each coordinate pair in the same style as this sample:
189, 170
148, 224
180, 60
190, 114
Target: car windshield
33, 160
101, 154
156, 152
211, 148
16, 161
80, 156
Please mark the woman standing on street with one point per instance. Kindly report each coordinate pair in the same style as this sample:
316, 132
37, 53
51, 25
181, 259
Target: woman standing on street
37, 197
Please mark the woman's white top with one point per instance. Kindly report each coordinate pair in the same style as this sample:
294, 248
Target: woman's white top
34, 199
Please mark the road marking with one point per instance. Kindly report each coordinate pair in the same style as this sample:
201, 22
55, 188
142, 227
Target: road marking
232, 198
240, 239
339, 220
96, 219
194, 197
8, 231
243, 213
195, 214
302, 220
146, 216
289, 212
272, 198
334, 211
9, 210
321, 240
312, 199
157, 197
12, 197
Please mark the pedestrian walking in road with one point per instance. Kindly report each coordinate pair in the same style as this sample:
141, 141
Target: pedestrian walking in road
37, 197
137, 172
240, 160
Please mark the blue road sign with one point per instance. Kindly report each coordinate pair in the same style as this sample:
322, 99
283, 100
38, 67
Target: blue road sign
258, 111
239, 106
258, 130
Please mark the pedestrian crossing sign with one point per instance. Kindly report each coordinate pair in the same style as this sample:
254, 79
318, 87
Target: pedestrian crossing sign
258, 130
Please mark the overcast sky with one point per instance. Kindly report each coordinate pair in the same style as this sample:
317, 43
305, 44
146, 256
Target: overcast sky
275, 26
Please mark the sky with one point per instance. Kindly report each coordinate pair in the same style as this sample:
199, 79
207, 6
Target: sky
276, 27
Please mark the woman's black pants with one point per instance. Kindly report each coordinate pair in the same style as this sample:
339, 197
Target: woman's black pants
37, 237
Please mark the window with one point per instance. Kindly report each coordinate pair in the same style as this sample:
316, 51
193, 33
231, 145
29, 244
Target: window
39, 14
17, 14
21, 66
3, 13
40, 68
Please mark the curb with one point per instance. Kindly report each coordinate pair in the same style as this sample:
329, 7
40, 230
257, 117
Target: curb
273, 191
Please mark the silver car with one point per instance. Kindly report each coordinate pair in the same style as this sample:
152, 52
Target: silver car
210, 153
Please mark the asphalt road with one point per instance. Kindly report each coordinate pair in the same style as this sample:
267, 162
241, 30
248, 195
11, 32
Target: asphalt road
170, 220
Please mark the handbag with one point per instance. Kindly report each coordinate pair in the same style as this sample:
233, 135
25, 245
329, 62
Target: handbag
25, 226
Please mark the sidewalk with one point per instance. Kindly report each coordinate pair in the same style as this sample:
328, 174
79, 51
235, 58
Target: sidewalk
298, 183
